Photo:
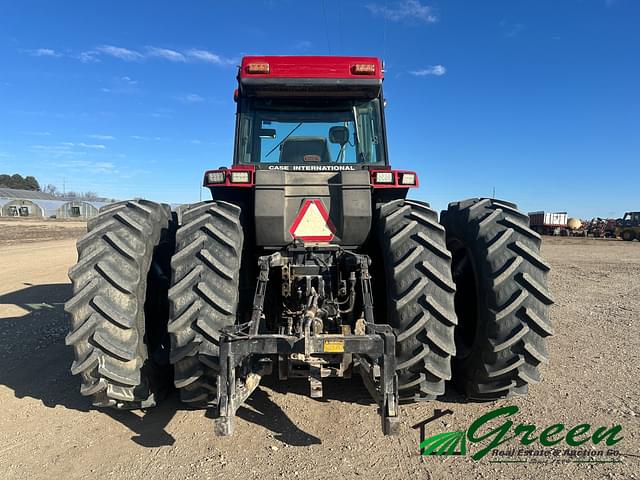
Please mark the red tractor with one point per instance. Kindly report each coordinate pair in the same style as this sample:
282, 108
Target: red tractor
309, 262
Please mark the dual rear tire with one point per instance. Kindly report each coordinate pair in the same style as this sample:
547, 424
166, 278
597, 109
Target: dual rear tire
467, 299
502, 299
118, 310
204, 295
419, 291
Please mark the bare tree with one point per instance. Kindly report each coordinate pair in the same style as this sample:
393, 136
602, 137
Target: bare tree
91, 196
51, 189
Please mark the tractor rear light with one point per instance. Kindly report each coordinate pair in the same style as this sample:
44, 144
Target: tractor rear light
383, 177
407, 178
258, 68
363, 69
240, 177
393, 179
216, 177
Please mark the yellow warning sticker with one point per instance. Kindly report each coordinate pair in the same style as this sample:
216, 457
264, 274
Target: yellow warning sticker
334, 346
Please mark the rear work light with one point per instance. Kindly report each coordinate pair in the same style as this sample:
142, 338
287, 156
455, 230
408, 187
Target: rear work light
393, 179
240, 177
237, 176
383, 177
216, 177
257, 68
363, 69
407, 178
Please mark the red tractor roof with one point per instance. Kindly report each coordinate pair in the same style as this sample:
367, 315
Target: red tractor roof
255, 66
278, 76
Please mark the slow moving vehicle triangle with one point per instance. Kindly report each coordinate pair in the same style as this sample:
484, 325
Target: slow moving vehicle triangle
312, 223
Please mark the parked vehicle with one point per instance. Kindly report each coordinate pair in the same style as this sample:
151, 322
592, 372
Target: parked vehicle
309, 261
628, 227
549, 223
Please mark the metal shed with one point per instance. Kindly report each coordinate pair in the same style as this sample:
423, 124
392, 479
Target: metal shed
2, 203
34, 208
79, 209
22, 208
49, 207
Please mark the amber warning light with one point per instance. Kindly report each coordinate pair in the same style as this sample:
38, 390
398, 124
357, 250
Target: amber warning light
363, 69
262, 68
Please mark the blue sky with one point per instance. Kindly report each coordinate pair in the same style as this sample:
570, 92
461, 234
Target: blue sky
539, 99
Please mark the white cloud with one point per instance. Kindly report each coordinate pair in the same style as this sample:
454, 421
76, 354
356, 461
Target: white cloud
44, 52
87, 166
142, 137
42, 134
409, 10
122, 85
436, 70
209, 57
103, 167
204, 56
121, 53
84, 145
190, 98
128, 81
166, 54
150, 52
101, 137
514, 30
92, 145
57, 151
90, 56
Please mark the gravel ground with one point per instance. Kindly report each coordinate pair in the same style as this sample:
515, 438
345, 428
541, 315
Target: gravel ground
18, 231
49, 431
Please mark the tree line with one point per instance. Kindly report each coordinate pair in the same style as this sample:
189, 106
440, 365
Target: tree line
19, 182
31, 183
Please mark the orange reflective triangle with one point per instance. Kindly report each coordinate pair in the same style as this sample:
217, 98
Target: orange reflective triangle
312, 224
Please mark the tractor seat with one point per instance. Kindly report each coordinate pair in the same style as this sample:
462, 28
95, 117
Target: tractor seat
304, 150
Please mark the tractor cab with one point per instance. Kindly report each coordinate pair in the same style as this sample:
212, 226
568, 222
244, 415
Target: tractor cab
317, 112
310, 132
631, 219
628, 227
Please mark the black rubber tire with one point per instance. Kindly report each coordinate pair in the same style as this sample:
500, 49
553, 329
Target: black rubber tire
109, 327
628, 235
502, 299
419, 296
203, 295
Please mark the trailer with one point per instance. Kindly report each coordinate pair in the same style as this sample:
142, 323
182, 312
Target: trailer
549, 223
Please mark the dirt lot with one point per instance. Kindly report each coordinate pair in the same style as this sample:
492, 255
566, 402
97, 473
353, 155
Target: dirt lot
48, 431
15, 231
